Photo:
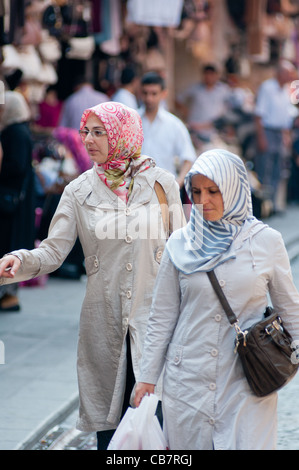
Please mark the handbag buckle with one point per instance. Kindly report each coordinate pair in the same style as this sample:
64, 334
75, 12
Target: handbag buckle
240, 335
275, 325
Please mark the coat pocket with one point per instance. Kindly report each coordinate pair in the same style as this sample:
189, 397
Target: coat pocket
92, 265
174, 354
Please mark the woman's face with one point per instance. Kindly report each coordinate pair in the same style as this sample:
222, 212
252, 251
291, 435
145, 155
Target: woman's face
207, 193
97, 144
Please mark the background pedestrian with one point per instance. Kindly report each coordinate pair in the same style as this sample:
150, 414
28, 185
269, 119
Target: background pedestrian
166, 137
84, 96
127, 93
17, 182
274, 119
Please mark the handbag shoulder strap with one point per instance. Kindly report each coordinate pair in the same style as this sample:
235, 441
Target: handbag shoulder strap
164, 206
223, 300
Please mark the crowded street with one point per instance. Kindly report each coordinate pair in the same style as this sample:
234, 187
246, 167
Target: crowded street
145, 148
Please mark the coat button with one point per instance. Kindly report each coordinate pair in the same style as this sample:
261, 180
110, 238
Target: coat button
128, 239
127, 211
129, 294
96, 263
212, 386
177, 359
222, 283
212, 421
218, 317
129, 267
214, 352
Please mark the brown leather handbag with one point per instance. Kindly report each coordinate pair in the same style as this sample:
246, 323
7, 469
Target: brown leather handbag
266, 349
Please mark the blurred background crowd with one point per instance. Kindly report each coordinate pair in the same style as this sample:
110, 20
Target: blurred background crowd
223, 70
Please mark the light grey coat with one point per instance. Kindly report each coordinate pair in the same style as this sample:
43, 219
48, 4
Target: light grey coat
206, 400
123, 246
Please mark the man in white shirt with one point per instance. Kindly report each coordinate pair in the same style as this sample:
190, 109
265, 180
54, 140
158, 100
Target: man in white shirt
127, 92
274, 115
166, 138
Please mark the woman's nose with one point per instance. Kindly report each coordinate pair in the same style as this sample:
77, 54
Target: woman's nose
204, 197
89, 136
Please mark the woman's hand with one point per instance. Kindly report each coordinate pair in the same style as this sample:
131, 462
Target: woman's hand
141, 390
9, 265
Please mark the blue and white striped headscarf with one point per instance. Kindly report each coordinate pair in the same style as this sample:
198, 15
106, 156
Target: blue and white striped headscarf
202, 245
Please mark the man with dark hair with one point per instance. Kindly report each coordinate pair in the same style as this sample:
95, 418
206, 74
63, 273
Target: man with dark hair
155, 78
166, 138
128, 90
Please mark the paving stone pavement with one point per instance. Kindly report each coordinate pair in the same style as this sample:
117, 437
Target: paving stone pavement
38, 382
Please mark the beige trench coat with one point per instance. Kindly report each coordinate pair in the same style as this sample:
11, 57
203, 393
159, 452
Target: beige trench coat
123, 246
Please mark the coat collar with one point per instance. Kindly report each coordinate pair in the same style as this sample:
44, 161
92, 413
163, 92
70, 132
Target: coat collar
89, 188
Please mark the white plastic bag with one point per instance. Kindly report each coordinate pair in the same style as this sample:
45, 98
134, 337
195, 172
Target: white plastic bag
140, 429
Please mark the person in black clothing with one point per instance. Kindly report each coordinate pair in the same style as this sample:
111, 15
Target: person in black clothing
16, 174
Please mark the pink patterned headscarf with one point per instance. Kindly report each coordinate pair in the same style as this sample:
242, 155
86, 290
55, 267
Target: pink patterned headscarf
125, 138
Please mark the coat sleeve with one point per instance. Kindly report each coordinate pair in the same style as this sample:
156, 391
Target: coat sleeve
163, 318
283, 292
54, 249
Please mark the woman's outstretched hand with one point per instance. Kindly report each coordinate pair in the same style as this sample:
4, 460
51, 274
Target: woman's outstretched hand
141, 390
9, 265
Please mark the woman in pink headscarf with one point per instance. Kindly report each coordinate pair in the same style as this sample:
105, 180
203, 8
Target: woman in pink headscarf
115, 211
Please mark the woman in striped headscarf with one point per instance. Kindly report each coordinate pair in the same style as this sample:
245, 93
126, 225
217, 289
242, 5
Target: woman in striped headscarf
207, 403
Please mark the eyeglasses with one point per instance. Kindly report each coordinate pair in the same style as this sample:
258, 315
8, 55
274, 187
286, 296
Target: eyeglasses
95, 134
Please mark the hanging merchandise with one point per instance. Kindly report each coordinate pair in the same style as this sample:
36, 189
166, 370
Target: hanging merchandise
49, 47
64, 20
52, 20
70, 23
255, 14
16, 20
155, 12
3, 36
112, 45
11, 58
101, 20
80, 48
30, 62
32, 31
47, 74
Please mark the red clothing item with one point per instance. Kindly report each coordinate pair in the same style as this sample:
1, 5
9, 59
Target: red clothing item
49, 114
